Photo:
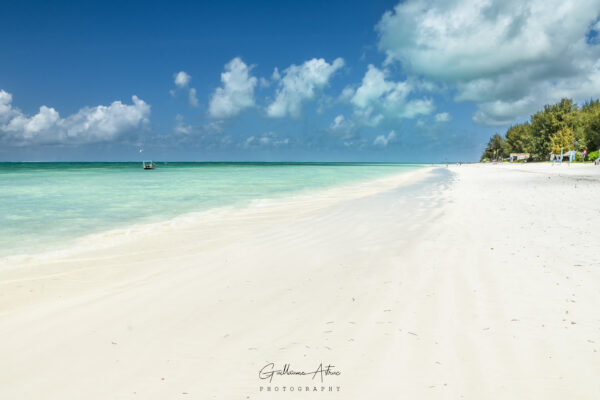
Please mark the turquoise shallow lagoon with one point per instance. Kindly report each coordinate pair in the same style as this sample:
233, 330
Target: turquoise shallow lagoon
45, 205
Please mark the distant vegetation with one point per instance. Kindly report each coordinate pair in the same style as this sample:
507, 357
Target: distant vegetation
562, 125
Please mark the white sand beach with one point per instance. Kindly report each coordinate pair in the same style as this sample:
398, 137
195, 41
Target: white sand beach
472, 282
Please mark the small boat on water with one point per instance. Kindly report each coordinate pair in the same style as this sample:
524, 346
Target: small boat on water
148, 164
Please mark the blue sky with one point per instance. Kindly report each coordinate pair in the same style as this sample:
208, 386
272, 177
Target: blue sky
337, 80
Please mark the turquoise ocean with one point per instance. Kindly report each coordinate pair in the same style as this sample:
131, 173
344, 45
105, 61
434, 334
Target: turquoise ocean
44, 206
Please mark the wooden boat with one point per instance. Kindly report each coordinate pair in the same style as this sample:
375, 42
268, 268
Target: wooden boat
148, 164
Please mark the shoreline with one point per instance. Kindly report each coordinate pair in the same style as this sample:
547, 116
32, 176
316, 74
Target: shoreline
135, 230
95, 259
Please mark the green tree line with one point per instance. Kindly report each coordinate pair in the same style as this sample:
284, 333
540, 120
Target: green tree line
561, 125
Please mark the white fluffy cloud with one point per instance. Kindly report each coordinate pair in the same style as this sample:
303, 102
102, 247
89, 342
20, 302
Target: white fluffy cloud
237, 92
299, 84
383, 140
180, 126
276, 75
265, 140
192, 98
88, 125
377, 98
374, 87
443, 117
6, 110
264, 83
510, 57
182, 79
341, 123
342, 127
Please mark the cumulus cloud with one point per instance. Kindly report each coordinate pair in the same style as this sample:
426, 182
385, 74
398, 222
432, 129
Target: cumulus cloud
499, 54
417, 107
374, 86
503, 112
264, 83
443, 117
276, 75
378, 97
6, 110
192, 98
368, 116
237, 92
88, 125
267, 82
182, 79
341, 123
383, 140
300, 84
342, 127
347, 94
180, 126
265, 140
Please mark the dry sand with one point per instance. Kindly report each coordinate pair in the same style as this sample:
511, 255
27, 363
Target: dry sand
474, 282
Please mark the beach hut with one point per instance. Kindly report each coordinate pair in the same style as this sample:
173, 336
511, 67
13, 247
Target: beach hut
518, 156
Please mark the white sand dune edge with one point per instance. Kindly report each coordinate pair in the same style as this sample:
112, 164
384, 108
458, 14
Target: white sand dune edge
483, 285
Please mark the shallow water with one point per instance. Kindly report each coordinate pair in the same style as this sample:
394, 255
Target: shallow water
44, 205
